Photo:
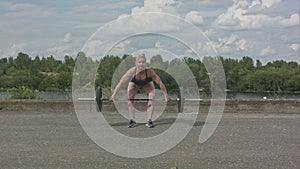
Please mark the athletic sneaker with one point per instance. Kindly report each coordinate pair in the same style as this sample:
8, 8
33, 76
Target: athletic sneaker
131, 124
149, 124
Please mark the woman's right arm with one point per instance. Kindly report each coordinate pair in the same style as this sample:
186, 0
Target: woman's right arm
123, 80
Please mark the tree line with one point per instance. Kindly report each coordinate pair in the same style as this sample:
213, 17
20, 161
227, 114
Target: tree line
244, 75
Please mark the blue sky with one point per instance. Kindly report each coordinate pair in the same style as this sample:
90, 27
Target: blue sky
267, 30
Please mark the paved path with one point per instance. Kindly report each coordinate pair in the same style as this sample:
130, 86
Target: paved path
56, 140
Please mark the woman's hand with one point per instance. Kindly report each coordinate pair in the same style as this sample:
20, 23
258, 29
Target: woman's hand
167, 98
112, 98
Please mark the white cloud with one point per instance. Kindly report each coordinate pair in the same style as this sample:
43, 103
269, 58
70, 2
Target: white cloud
255, 3
232, 44
188, 52
60, 50
120, 48
44, 25
295, 46
67, 38
194, 17
267, 51
270, 3
158, 6
92, 47
158, 45
26, 11
244, 45
41, 25
10, 6
14, 49
241, 16
139, 19
292, 21
208, 3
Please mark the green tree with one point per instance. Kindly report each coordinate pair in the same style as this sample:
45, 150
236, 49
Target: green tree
49, 84
36, 65
23, 92
199, 72
23, 61
106, 70
27, 79
64, 81
158, 63
3, 66
70, 63
258, 64
231, 68
246, 63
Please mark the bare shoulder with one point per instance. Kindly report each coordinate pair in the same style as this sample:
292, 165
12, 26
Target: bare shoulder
151, 72
130, 71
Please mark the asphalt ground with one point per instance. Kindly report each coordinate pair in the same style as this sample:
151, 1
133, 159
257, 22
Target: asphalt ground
41, 140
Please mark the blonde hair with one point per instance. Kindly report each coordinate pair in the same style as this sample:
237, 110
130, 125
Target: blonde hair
142, 55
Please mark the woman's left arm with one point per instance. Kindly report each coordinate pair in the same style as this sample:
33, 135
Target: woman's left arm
161, 85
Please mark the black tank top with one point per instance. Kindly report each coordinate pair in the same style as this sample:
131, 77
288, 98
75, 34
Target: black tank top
141, 82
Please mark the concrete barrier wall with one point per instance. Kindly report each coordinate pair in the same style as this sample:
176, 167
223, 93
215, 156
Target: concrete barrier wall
36, 106
263, 106
232, 106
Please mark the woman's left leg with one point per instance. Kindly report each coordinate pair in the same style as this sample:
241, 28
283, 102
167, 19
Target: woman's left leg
150, 91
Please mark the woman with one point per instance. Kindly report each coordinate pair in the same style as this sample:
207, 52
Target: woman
140, 77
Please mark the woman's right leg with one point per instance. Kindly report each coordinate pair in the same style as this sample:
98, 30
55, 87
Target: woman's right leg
131, 91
